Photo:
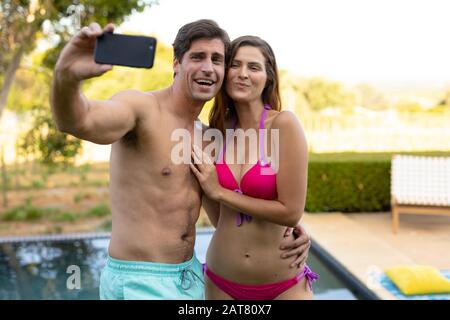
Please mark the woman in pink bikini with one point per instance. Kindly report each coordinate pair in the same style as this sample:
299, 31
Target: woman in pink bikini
251, 204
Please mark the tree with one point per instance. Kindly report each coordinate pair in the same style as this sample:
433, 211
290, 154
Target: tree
22, 22
46, 143
31, 85
445, 101
370, 98
321, 94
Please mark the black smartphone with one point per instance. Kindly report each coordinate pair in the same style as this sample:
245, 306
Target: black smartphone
125, 50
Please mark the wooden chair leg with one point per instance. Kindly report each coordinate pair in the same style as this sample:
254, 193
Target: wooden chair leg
395, 219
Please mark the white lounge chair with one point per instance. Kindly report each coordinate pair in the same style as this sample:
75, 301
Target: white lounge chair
419, 185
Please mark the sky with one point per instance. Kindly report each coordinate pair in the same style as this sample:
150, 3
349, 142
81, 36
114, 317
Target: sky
373, 41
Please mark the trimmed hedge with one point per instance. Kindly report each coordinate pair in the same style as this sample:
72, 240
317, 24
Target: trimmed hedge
351, 186
352, 182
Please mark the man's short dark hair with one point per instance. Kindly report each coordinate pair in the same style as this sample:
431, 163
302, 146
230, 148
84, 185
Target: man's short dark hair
200, 29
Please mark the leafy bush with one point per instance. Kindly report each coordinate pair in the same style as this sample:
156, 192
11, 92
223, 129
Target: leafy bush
24, 213
37, 184
46, 143
66, 216
352, 186
100, 210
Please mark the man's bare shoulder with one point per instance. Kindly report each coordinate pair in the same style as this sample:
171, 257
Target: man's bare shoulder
145, 105
135, 98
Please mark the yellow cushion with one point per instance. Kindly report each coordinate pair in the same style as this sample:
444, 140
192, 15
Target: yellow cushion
418, 279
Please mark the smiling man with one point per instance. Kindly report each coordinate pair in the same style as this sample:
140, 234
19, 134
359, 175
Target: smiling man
155, 203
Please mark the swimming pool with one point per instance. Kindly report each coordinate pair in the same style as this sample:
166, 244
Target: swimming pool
44, 268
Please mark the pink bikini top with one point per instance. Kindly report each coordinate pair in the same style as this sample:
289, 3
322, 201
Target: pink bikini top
258, 182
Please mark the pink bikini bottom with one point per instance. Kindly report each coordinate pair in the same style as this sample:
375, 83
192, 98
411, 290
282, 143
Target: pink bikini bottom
259, 292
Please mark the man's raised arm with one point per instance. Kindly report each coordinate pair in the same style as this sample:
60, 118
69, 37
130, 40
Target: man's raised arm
98, 121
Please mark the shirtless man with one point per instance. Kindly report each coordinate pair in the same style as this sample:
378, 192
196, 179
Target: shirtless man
155, 203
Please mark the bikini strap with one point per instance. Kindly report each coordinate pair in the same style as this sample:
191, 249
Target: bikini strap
261, 135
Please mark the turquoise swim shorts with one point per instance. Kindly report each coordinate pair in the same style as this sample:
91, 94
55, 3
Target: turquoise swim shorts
138, 280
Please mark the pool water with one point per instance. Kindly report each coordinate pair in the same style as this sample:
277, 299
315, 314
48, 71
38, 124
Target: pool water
40, 269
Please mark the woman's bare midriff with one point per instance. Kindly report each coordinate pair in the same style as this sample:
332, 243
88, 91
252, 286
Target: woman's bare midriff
250, 253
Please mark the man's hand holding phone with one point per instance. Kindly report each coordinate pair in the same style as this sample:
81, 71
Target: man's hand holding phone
76, 62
